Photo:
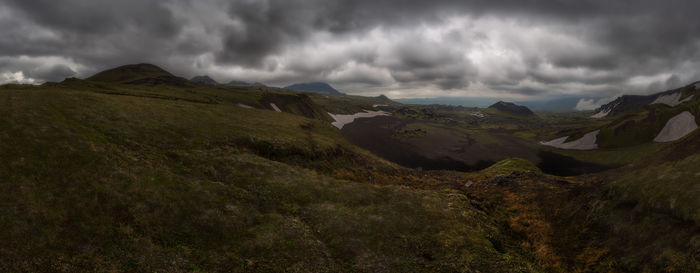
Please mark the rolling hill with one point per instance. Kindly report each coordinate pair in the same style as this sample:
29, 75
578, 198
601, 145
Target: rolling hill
204, 80
139, 74
315, 87
509, 107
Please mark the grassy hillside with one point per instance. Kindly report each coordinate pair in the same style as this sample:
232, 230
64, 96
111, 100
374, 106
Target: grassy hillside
641, 127
141, 180
623, 139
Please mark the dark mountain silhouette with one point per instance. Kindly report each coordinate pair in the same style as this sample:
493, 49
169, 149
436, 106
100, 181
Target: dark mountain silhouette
204, 80
139, 74
314, 87
512, 108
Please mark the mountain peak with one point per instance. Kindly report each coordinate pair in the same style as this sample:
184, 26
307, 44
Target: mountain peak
314, 87
128, 72
139, 74
510, 107
204, 79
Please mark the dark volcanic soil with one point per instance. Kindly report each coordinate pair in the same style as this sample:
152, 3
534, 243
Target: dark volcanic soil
375, 135
455, 151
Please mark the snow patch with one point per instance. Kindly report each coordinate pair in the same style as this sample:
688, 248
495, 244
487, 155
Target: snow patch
478, 114
677, 127
274, 106
377, 105
245, 106
587, 142
604, 113
671, 100
341, 120
687, 99
601, 114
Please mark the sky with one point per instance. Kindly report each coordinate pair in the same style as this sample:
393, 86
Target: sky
519, 49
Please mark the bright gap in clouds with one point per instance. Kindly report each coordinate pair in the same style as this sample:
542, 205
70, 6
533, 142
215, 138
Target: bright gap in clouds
16, 77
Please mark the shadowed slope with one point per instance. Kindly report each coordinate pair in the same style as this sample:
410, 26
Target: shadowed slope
140, 74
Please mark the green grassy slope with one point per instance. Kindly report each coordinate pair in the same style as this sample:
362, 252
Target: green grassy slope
626, 138
348, 104
669, 186
641, 127
102, 181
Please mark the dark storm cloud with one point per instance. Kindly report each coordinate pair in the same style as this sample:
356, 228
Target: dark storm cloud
94, 33
638, 27
523, 48
98, 17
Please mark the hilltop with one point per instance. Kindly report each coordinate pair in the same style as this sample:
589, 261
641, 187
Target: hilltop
509, 107
204, 80
139, 74
315, 87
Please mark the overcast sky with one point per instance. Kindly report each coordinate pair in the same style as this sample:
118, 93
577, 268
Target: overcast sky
520, 49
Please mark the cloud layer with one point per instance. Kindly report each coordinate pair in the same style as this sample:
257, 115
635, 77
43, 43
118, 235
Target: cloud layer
402, 48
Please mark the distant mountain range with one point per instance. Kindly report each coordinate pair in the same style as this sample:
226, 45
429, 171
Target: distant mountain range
153, 75
556, 105
314, 87
209, 81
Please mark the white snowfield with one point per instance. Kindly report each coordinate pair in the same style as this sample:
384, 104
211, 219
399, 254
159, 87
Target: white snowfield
245, 106
377, 105
672, 100
274, 106
601, 114
677, 127
587, 142
341, 120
